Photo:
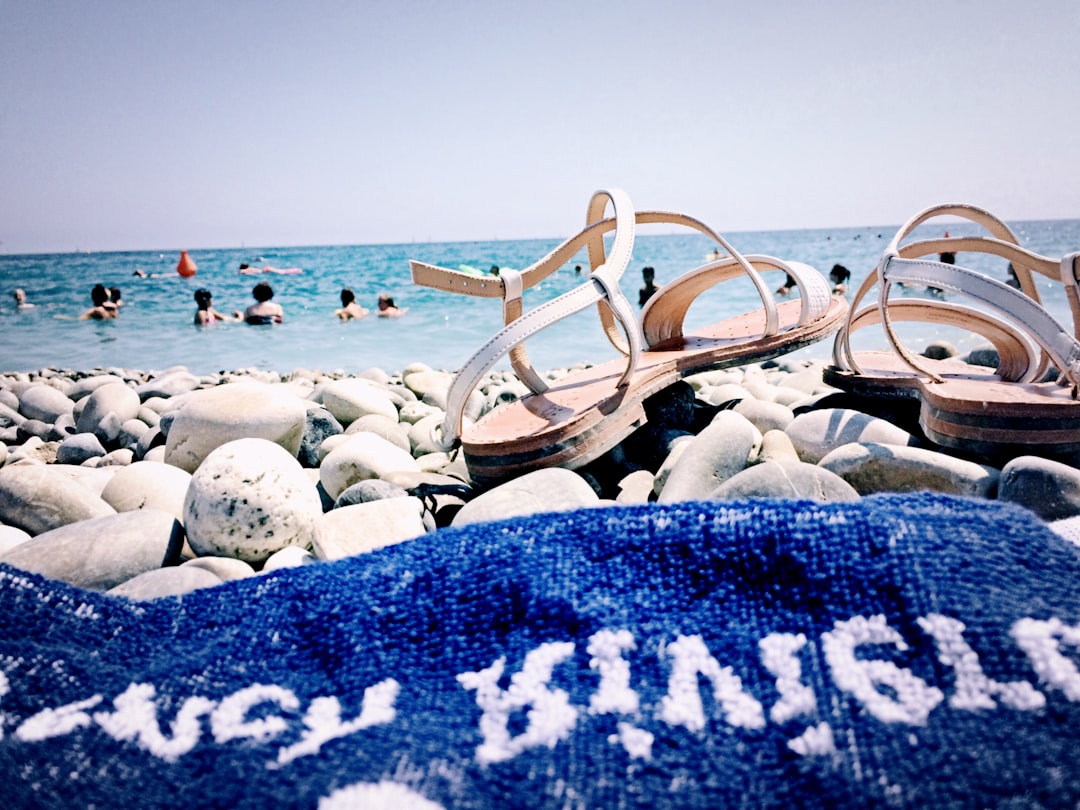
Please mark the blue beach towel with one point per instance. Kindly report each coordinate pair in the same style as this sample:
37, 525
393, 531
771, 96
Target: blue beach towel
903, 651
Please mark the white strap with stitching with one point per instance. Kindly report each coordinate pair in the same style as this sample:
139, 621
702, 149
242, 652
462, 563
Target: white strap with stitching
603, 284
1035, 321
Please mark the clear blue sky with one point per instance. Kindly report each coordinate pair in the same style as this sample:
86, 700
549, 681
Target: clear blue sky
192, 124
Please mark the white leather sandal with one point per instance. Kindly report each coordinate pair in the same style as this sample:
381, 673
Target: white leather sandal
577, 419
995, 412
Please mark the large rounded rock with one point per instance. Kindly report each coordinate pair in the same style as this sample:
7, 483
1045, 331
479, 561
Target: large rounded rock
350, 399
163, 582
170, 384
893, 468
212, 417
106, 409
248, 499
786, 479
83, 388
817, 433
765, 415
362, 456
363, 527
550, 490
1048, 488
391, 430
148, 485
101, 553
45, 403
37, 498
11, 537
224, 568
725, 447
79, 448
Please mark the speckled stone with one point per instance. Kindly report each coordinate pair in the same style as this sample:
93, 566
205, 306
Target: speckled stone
248, 499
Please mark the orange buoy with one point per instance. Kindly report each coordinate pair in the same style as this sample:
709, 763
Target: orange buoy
186, 267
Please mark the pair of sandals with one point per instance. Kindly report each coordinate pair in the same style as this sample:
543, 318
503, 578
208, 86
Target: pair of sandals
1029, 404
575, 420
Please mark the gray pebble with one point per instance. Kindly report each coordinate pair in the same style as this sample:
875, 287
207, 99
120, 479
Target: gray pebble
816, 433
163, 582
550, 490
100, 553
873, 468
725, 447
786, 479
1048, 488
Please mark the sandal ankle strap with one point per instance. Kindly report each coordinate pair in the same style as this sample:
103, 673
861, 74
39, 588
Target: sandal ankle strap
603, 285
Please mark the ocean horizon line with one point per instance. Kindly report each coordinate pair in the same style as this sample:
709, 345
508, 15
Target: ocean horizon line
316, 246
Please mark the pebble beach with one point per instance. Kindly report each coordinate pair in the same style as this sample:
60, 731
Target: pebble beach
145, 485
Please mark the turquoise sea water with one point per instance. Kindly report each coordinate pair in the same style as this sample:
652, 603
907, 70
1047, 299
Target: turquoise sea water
155, 329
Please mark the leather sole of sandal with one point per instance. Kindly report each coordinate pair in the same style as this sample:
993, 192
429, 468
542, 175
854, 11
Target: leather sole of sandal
580, 417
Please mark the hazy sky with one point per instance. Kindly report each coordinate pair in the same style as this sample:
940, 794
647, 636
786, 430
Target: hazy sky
191, 124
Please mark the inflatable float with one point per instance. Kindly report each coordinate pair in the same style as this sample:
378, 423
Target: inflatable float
186, 266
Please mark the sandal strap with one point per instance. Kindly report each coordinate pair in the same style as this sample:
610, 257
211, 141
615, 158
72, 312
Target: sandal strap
603, 283
1019, 358
665, 313
1004, 243
454, 281
1030, 316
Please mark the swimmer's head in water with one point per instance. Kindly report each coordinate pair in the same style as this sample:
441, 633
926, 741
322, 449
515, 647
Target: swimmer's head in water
263, 292
202, 297
386, 302
99, 295
347, 297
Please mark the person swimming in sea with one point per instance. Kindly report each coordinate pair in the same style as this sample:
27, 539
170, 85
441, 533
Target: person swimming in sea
649, 288
206, 314
103, 309
19, 294
264, 311
388, 309
839, 276
787, 286
349, 308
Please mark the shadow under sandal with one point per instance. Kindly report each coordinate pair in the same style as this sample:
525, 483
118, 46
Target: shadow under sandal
583, 415
1004, 412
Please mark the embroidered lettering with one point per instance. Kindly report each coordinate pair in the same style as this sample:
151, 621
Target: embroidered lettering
229, 720
135, 720
551, 718
973, 689
323, 719
56, 722
1041, 641
778, 656
682, 706
915, 699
